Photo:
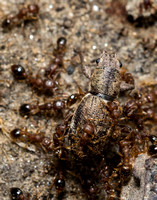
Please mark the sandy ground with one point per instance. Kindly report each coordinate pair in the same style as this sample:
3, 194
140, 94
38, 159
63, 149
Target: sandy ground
88, 25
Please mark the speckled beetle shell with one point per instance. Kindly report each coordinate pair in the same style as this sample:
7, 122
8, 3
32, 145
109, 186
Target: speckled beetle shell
104, 86
106, 77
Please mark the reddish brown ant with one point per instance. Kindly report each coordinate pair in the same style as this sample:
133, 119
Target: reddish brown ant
146, 4
39, 139
57, 62
59, 138
55, 105
46, 143
24, 135
29, 13
107, 179
84, 140
140, 107
30, 109
125, 146
46, 84
60, 130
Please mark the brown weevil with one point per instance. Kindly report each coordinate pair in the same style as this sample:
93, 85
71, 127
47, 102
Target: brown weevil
105, 85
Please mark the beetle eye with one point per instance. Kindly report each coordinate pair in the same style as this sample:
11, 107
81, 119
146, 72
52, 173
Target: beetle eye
120, 64
97, 61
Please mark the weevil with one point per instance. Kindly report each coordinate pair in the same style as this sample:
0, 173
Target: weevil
104, 87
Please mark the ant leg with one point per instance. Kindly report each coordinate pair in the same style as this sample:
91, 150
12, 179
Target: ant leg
23, 29
127, 82
125, 86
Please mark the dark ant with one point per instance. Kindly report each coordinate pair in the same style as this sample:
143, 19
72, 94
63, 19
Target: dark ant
59, 179
47, 85
17, 194
29, 13
57, 62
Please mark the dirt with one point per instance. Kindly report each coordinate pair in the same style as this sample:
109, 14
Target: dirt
90, 27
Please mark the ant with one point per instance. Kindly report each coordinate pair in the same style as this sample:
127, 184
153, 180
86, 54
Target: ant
59, 183
90, 188
39, 139
84, 140
141, 104
25, 14
46, 84
110, 180
73, 98
57, 105
153, 148
59, 140
146, 4
125, 146
17, 194
29, 109
57, 62
60, 130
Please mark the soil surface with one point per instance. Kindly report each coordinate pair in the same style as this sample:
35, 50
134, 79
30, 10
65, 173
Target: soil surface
90, 26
